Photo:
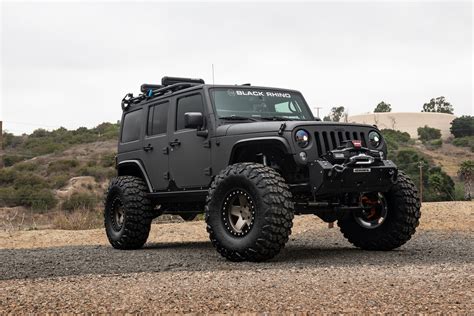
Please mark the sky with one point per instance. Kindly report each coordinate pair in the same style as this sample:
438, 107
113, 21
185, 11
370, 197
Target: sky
70, 63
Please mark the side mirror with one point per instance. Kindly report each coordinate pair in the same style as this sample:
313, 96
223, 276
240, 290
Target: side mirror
193, 120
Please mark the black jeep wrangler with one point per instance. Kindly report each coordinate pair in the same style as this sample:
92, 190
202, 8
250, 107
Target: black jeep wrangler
250, 158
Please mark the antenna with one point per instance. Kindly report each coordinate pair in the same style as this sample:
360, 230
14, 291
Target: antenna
317, 109
212, 74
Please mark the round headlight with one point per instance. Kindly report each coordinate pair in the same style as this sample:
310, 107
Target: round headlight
302, 138
375, 139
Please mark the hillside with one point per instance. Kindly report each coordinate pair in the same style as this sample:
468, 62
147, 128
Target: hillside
57, 178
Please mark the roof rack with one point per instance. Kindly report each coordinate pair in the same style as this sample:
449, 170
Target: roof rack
168, 85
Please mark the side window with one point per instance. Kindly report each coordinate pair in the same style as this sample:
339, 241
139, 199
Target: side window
131, 126
157, 119
192, 103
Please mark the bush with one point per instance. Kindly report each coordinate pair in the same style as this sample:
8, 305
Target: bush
81, 200
395, 139
435, 144
62, 166
58, 181
7, 176
78, 220
26, 166
428, 133
107, 160
10, 160
99, 173
440, 186
467, 141
7, 196
463, 126
39, 199
29, 179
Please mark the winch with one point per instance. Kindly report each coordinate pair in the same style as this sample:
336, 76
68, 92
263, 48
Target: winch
352, 168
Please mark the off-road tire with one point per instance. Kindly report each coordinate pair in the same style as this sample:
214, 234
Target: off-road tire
130, 192
273, 212
402, 219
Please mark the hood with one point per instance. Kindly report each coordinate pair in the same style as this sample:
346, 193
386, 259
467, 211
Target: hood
273, 126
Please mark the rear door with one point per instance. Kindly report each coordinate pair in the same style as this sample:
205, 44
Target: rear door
155, 145
190, 154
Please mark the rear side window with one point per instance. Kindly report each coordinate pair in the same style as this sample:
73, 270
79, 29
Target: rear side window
157, 119
131, 126
192, 103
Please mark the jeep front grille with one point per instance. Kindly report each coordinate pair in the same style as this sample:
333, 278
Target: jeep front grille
330, 139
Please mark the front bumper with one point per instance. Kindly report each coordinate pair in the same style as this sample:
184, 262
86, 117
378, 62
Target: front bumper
329, 179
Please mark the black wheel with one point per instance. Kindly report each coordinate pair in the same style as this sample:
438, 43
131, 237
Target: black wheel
128, 213
390, 220
249, 212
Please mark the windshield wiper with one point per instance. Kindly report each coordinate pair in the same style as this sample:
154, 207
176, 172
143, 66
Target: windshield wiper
238, 118
276, 118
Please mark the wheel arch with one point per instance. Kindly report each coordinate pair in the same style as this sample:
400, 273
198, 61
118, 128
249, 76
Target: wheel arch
276, 143
134, 168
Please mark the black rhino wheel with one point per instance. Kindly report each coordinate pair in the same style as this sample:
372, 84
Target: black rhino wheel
391, 220
249, 212
128, 213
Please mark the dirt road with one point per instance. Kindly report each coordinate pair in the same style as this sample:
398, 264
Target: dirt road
179, 271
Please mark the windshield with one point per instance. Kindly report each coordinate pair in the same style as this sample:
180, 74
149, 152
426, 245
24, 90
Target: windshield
259, 104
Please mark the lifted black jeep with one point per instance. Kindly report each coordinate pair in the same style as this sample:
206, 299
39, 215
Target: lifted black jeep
251, 158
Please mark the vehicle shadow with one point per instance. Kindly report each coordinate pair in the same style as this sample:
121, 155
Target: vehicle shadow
201, 256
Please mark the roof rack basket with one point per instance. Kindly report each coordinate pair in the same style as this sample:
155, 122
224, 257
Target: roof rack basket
168, 85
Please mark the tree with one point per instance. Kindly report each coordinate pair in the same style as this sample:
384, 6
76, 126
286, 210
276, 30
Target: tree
466, 172
383, 107
439, 105
428, 133
463, 126
335, 115
440, 186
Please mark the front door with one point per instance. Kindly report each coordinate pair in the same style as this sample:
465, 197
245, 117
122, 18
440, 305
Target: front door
190, 155
155, 145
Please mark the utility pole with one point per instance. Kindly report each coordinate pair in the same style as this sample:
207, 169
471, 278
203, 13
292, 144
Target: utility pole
420, 166
317, 110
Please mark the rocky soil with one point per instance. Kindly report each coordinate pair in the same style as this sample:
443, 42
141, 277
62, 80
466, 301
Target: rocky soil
179, 271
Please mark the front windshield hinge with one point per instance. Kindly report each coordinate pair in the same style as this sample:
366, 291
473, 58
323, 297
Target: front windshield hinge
282, 128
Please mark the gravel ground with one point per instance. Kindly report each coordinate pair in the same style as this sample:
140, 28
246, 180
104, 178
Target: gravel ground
179, 271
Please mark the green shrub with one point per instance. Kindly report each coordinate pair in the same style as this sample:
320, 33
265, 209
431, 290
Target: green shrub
435, 144
398, 136
62, 166
428, 133
10, 160
395, 139
440, 186
107, 160
28, 179
99, 173
7, 176
26, 166
7, 196
462, 126
39, 199
58, 181
467, 141
81, 200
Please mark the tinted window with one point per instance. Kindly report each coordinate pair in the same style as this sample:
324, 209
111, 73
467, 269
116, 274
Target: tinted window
131, 126
157, 119
192, 103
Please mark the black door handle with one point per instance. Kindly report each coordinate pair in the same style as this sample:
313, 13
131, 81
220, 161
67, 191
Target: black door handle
175, 143
148, 148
